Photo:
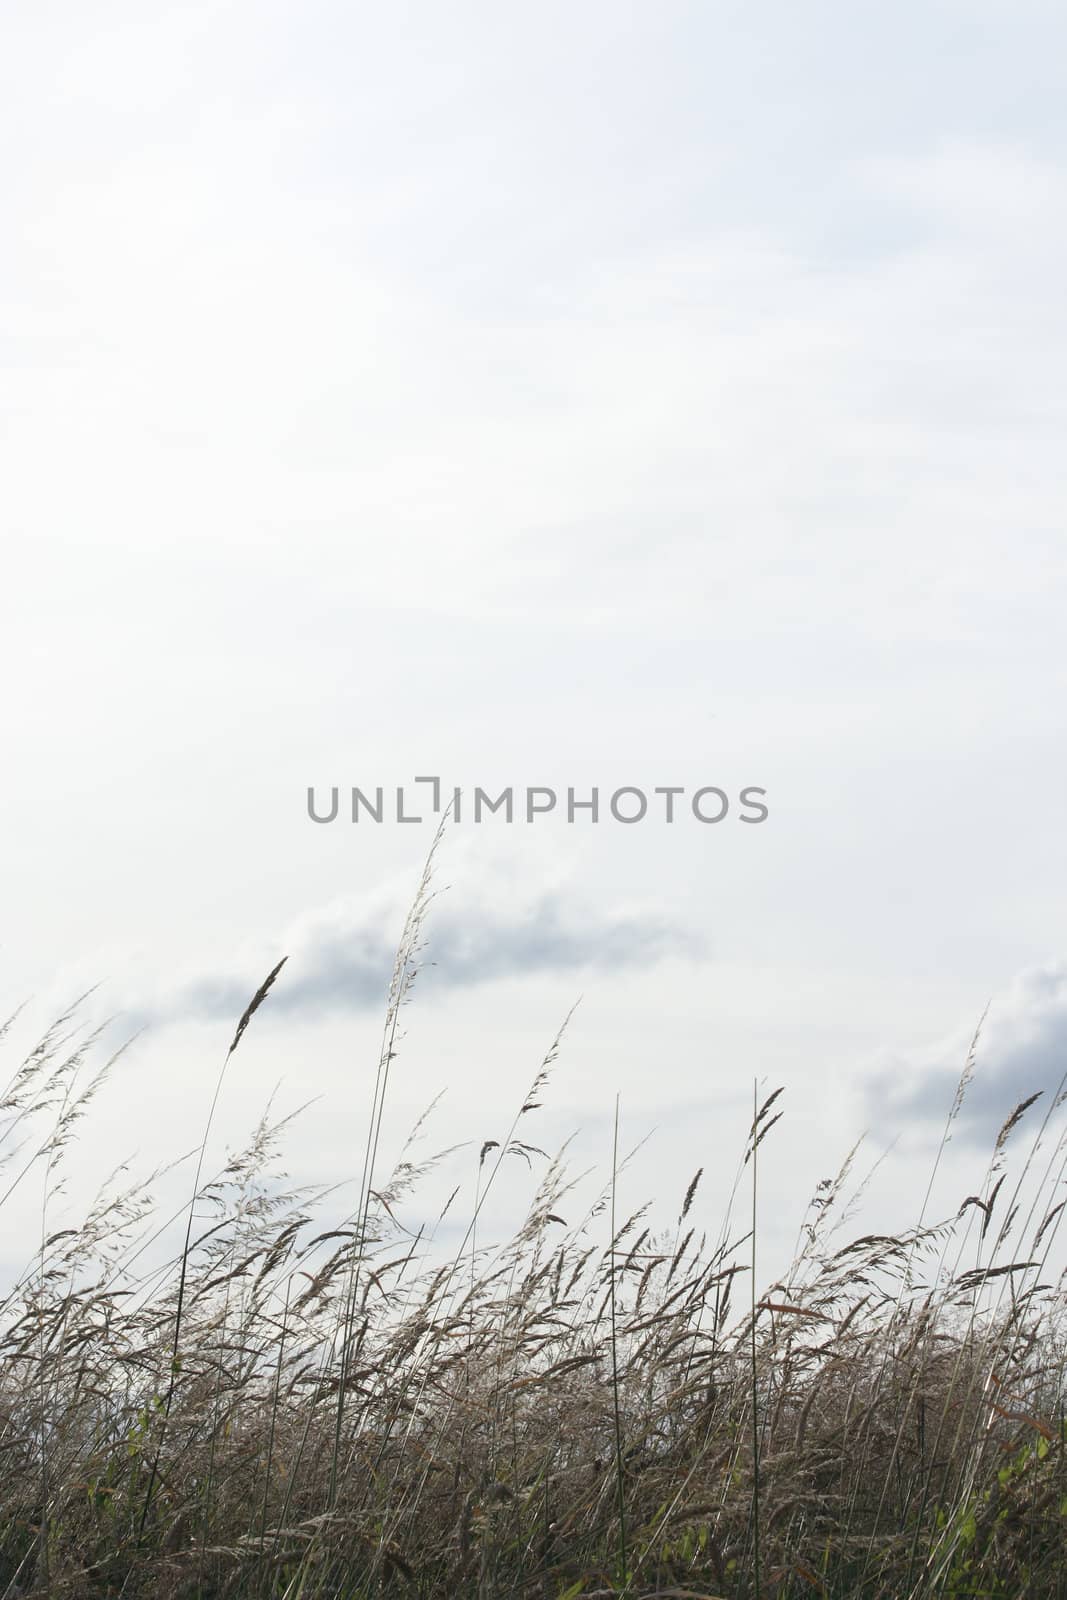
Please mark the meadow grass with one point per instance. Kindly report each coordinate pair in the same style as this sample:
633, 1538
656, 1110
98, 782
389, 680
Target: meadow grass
591, 1408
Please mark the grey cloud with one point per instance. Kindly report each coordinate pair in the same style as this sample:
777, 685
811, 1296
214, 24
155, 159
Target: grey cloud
1022, 1050
341, 957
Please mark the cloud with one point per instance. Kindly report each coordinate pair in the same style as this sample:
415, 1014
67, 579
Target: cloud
1021, 1050
341, 955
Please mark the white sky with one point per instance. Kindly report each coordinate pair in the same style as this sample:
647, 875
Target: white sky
578, 395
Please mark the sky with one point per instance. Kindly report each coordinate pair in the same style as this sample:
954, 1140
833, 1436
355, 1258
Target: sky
585, 397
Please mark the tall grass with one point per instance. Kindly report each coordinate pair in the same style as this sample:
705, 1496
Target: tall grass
584, 1409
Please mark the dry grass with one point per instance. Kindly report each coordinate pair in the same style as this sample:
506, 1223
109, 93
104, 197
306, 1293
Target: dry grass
275, 1413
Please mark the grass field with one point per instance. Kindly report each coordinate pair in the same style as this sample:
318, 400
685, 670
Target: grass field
590, 1408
